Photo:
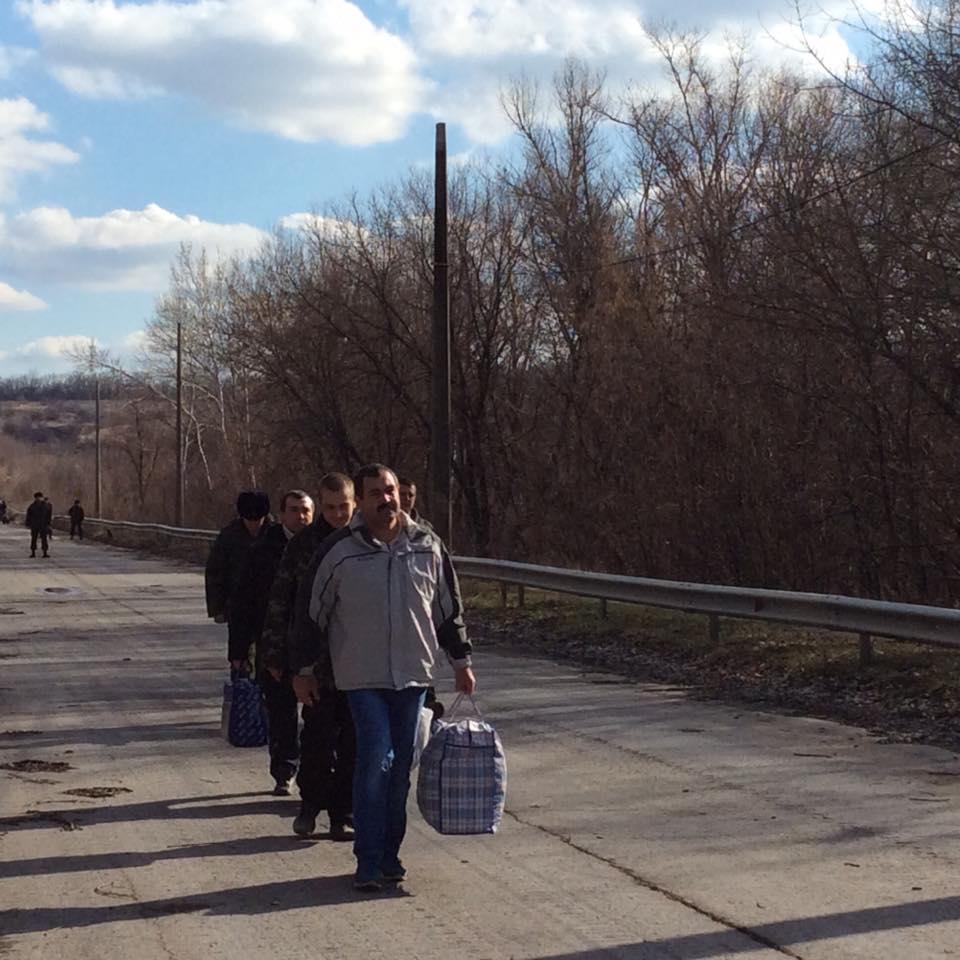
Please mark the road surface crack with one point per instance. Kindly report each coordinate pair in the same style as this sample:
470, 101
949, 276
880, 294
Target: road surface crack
654, 887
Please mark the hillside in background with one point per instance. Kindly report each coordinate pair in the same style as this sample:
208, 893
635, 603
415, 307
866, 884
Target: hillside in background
47, 437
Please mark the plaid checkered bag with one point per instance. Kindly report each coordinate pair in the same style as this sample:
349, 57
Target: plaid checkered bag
462, 782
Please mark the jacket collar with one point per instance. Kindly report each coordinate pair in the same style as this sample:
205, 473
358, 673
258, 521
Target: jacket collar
359, 529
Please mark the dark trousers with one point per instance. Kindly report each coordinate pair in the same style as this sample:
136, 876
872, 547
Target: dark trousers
42, 534
76, 527
328, 753
281, 704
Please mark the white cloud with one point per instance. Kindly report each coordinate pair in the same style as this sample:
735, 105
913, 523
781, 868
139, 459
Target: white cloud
120, 250
134, 342
303, 69
330, 228
20, 153
16, 300
52, 347
484, 30
479, 46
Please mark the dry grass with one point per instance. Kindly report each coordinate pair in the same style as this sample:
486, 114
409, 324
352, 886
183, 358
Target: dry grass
909, 691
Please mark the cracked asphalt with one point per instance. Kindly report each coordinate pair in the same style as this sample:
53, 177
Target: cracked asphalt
640, 824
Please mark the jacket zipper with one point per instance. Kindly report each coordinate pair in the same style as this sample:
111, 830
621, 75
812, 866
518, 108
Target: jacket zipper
393, 679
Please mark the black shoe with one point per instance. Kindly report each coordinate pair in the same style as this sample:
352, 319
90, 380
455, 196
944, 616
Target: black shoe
371, 885
305, 823
33, 555
46, 556
341, 830
282, 788
394, 872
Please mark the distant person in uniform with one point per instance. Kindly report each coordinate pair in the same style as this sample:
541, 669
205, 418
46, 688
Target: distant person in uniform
38, 522
327, 744
49, 508
382, 600
3, 512
225, 564
247, 615
76, 519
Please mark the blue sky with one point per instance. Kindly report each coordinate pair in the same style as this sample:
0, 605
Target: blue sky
128, 128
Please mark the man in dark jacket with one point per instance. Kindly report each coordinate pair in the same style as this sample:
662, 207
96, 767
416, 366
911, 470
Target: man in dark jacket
38, 521
327, 746
248, 614
225, 563
76, 515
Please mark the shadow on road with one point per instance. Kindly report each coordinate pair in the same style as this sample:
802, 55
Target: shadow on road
265, 898
247, 846
829, 926
110, 736
184, 808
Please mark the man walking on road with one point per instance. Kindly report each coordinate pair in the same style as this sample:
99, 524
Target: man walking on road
327, 747
225, 563
76, 515
38, 521
248, 614
385, 597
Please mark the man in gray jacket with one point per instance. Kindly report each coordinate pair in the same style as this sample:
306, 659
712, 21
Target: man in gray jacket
386, 599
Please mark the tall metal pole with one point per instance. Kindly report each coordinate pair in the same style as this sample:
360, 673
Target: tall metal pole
97, 491
178, 509
440, 455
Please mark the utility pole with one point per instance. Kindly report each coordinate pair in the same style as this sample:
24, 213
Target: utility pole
97, 492
440, 456
178, 500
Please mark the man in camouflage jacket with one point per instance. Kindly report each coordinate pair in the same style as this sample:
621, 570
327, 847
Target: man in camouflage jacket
327, 747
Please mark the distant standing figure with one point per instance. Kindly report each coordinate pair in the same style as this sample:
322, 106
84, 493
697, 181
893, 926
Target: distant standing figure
38, 521
76, 519
48, 506
3, 512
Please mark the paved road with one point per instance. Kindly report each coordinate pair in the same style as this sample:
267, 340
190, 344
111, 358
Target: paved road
640, 825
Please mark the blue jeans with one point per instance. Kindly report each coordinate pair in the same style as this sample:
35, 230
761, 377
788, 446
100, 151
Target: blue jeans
386, 727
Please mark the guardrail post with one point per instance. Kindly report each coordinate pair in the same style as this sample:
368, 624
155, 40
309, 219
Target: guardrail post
714, 629
866, 650
503, 594
604, 612
521, 595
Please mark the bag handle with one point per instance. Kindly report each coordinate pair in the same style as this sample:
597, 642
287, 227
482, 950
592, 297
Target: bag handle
456, 703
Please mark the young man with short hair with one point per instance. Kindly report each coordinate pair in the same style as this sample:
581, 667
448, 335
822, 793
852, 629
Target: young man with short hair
248, 615
327, 749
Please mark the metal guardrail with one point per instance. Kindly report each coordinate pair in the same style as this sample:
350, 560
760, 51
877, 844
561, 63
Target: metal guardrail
879, 618
183, 533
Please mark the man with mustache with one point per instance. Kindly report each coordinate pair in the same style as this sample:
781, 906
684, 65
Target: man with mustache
386, 599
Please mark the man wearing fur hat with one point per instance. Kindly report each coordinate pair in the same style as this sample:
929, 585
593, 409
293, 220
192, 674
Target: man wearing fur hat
225, 564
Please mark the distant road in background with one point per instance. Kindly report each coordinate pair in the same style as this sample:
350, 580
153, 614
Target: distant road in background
640, 825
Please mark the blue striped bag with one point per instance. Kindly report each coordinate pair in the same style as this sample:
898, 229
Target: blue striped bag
242, 720
462, 783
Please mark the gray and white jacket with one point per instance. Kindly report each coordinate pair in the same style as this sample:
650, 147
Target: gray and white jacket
384, 611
